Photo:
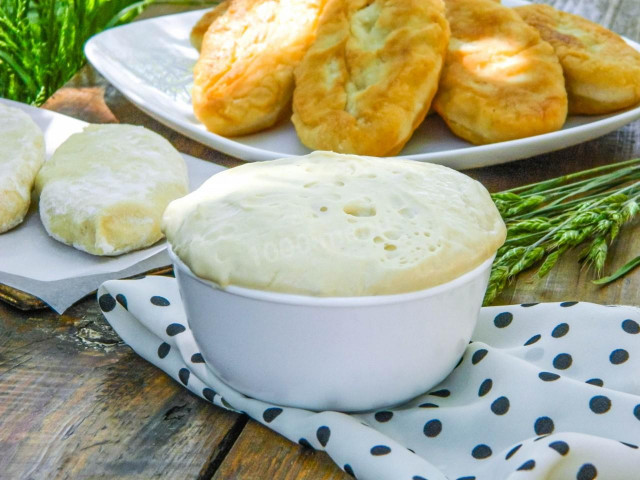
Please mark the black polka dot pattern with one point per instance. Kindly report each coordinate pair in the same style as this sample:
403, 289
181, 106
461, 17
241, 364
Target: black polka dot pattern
619, 356
559, 446
532, 340
560, 331
270, 414
383, 416
495, 383
500, 406
527, 305
197, 358
380, 450
209, 394
467, 478
587, 472
305, 443
503, 319
562, 361
441, 393
432, 428
480, 452
478, 355
106, 302
513, 451
159, 301
543, 426
600, 404
175, 329
485, 387
631, 327
568, 304
184, 375
163, 349
348, 470
548, 376
322, 434
528, 465
122, 300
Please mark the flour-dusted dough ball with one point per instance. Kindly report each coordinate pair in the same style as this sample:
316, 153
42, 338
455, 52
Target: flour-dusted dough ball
21, 156
104, 189
335, 225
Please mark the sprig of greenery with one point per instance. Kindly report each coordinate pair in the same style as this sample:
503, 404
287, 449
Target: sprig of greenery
41, 41
546, 219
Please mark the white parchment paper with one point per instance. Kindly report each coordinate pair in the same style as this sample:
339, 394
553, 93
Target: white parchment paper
58, 274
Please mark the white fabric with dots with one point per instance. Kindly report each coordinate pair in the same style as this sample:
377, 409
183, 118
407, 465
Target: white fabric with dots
544, 391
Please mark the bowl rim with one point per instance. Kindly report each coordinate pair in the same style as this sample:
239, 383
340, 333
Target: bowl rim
353, 301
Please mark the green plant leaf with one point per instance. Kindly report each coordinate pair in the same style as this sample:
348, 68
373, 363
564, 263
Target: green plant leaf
621, 272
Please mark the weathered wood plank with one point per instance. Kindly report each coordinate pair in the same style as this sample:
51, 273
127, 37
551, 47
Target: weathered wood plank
260, 454
77, 403
74, 403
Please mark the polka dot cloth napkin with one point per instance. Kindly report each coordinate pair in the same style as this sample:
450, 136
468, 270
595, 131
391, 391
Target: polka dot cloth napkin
544, 391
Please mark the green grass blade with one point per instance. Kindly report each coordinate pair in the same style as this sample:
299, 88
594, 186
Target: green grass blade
621, 272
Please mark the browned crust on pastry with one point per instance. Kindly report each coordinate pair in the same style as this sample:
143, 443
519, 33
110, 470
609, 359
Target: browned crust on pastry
368, 80
500, 81
602, 72
201, 27
243, 80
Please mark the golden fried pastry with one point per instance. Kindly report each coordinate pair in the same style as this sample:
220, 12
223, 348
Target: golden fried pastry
368, 80
500, 81
244, 78
602, 72
200, 28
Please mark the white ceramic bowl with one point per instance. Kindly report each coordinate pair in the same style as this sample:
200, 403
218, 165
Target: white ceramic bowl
332, 353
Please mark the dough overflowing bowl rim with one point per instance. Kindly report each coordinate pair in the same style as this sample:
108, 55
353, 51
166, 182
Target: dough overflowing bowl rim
332, 301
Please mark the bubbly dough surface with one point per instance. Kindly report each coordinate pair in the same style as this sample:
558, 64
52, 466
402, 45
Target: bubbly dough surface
104, 190
602, 72
367, 82
500, 81
21, 156
243, 79
335, 225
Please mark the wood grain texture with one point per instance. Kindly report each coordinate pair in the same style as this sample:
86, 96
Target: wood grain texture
260, 454
76, 403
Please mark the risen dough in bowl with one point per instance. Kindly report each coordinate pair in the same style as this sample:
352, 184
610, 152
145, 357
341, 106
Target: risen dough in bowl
335, 225
21, 156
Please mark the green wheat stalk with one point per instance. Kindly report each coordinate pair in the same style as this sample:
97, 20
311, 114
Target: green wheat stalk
546, 219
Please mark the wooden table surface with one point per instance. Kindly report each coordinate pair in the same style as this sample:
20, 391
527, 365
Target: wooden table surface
75, 402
